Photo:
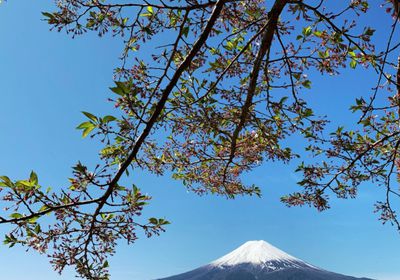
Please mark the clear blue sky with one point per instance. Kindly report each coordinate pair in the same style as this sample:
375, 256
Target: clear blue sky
46, 79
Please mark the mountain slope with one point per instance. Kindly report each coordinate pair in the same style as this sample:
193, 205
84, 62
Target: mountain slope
258, 260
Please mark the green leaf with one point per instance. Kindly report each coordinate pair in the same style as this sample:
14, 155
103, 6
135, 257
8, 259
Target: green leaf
153, 221
306, 84
369, 31
352, 54
37, 229
307, 31
353, 63
27, 185
87, 131
146, 15
230, 46
6, 182
10, 239
318, 33
150, 12
90, 116
185, 31
108, 118
117, 90
85, 125
121, 88
90, 23
48, 15
163, 222
87, 128
324, 54
33, 220
33, 178
120, 188
16, 215
43, 208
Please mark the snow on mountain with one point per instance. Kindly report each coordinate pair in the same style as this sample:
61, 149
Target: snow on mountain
259, 260
257, 253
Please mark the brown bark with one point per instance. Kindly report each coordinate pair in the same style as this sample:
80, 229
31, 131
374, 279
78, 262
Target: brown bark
160, 106
265, 46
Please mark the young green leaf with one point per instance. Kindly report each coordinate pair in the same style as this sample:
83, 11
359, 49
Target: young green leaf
90, 116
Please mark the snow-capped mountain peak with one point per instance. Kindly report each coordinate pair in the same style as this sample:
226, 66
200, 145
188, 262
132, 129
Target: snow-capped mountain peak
259, 260
254, 252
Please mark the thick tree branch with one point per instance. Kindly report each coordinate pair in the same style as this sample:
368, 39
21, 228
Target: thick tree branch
265, 46
160, 106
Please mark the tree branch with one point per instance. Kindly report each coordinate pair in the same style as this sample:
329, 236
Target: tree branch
266, 43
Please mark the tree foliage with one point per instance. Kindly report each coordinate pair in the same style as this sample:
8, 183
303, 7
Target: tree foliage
209, 90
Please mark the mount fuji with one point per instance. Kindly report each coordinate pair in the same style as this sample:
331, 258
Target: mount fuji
259, 260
